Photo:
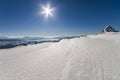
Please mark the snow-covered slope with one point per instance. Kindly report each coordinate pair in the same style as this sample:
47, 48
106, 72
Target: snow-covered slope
95, 57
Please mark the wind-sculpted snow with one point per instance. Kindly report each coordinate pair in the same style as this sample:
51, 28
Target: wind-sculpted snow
94, 57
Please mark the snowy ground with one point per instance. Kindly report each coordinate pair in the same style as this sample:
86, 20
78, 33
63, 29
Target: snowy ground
95, 57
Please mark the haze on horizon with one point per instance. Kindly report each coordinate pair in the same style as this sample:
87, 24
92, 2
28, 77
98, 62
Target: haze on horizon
23, 18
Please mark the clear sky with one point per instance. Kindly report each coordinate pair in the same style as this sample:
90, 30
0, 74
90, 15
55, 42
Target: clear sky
71, 17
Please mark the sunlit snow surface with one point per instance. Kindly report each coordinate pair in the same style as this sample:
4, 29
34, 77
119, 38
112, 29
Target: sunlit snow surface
94, 57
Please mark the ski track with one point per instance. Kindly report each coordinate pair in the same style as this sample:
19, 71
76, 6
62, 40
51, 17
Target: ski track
95, 57
98, 61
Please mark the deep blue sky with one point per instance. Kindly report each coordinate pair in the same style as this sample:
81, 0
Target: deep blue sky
71, 17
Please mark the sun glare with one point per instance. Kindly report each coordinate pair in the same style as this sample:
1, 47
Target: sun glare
47, 10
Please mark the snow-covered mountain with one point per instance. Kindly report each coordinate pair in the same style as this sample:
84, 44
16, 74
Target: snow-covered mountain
95, 57
108, 29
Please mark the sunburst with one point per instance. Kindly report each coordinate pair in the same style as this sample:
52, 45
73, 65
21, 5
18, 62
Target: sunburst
47, 10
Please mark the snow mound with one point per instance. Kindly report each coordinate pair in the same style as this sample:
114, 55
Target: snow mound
95, 57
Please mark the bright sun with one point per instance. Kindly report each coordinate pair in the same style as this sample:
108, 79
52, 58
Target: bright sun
47, 10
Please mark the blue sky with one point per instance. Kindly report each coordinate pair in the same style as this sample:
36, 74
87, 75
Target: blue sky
71, 17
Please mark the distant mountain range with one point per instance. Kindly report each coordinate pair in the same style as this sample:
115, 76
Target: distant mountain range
6, 42
3, 37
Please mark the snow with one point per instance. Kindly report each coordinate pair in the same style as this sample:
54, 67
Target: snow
94, 57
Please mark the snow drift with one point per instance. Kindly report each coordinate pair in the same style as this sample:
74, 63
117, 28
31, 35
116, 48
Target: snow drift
94, 57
